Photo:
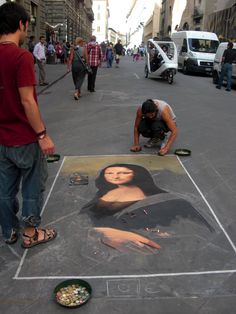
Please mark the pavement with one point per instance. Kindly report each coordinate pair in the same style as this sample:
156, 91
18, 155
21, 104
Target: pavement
194, 272
54, 73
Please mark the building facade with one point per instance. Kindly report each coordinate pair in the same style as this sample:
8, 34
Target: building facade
59, 19
139, 14
223, 20
217, 16
68, 19
152, 26
100, 23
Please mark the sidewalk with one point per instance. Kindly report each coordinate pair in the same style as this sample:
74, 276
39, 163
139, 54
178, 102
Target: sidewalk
54, 72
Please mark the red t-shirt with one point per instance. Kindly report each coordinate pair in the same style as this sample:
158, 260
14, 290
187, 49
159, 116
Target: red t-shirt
16, 70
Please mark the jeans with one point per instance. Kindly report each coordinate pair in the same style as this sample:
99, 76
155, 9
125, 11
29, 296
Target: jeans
92, 78
109, 62
153, 128
26, 165
226, 70
42, 73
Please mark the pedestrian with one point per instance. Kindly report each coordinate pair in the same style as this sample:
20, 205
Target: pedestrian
118, 48
109, 53
229, 56
77, 61
135, 54
40, 56
156, 120
31, 44
104, 47
94, 53
23, 137
51, 53
58, 49
66, 50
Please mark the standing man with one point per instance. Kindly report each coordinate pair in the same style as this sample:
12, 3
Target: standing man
118, 51
155, 119
23, 137
94, 52
229, 56
40, 56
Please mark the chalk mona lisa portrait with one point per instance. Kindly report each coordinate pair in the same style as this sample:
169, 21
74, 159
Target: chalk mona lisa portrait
128, 203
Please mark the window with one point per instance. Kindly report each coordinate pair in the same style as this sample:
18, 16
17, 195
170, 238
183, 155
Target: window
98, 16
184, 47
98, 29
203, 45
98, 7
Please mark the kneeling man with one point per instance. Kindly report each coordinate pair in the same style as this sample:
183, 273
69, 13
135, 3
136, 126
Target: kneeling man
156, 120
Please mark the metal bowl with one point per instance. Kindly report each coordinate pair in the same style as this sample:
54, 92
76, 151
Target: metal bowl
53, 157
79, 291
182, 152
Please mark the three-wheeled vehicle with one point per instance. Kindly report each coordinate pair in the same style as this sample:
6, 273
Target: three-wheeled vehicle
161, 60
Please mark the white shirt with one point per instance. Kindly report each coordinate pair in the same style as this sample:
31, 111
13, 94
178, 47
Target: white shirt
39, 51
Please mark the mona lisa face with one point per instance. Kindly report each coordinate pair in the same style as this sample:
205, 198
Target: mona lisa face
118, 175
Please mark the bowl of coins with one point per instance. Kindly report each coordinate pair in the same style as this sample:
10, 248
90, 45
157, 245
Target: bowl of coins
72, 293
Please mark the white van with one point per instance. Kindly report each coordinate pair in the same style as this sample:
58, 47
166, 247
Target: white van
196, 50
217, 64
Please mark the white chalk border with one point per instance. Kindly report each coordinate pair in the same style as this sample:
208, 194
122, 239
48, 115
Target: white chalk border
213, 272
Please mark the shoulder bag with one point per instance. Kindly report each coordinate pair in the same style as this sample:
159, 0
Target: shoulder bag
85, 65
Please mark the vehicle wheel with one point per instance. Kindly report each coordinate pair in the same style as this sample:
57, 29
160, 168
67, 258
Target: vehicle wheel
185, 69
215, 77
170, 77
146, 71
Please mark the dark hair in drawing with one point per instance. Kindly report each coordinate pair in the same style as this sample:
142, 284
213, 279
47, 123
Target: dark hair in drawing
142, 179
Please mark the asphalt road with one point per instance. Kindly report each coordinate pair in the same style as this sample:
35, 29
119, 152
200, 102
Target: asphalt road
101, 123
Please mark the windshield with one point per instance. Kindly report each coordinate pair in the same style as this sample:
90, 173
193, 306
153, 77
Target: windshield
203, 45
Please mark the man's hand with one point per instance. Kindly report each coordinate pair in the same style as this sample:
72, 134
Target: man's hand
47, 145
136, 148
163, 151
126, 241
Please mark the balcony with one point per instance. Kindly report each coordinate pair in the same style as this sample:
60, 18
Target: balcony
90, 13
197, 13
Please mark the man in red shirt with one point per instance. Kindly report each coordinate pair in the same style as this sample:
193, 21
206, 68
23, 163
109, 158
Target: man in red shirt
94, 60
24, 141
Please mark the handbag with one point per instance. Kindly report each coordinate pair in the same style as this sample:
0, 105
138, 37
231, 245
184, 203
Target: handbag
88, 69
85, 65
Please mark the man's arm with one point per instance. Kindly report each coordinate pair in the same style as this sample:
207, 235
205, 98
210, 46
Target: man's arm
166, 117
223, 57
34, 118
35, 52
136, 147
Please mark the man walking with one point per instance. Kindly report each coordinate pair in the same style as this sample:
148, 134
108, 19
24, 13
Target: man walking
155, 119
94, 52
40, 56
23, 137
229, 56
118, 51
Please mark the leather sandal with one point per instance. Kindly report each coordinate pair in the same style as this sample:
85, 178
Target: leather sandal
49, 234
76, 97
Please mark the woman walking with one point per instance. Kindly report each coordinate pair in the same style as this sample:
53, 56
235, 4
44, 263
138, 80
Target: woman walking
109, 55
77, 61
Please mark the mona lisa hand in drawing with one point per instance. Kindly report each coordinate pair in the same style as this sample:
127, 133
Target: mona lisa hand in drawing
128, 202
